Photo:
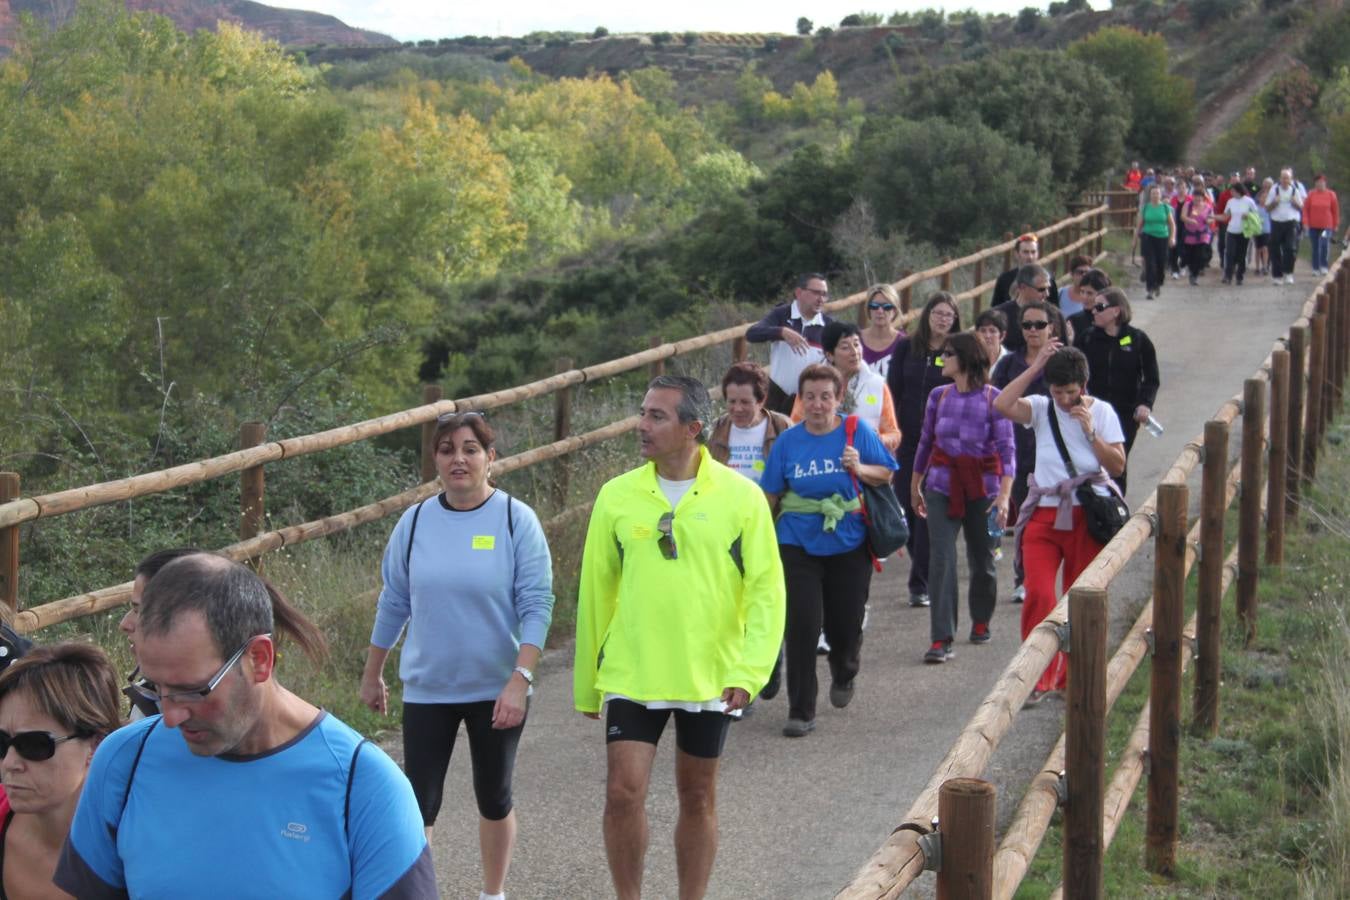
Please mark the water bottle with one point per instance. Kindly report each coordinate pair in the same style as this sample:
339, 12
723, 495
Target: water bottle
1153, 426
995, 530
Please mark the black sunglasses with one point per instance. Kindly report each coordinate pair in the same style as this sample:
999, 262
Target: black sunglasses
889, 307
1101, 307
666, 525
34, 746
1035, 325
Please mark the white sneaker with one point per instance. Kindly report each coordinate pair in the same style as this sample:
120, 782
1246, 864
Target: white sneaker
1289, 279
864, 624
821, 645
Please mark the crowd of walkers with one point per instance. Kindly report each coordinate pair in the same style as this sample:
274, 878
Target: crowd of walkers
713, 573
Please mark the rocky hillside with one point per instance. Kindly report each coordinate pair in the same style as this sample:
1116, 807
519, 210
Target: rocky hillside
289, 26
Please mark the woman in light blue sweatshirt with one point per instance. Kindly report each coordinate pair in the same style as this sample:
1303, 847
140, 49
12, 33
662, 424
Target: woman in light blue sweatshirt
468, 572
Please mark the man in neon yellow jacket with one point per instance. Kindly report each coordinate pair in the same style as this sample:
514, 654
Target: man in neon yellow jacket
680, 613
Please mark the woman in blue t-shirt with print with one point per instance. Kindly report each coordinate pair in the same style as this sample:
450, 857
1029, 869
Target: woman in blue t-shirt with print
809, 480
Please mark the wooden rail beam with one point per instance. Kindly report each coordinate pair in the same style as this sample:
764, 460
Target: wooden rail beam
9, 546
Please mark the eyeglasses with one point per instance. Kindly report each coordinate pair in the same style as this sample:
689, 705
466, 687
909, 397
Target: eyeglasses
666, 525
1101, 307
889, 307
447, 418
1041, 289
1035, 324
34, 746
197, 695
819, 293
942, 314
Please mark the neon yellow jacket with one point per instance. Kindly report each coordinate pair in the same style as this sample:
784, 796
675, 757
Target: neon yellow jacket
685, 629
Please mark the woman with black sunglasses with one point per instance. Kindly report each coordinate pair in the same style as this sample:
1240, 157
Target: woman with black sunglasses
56, 704
880, 334
1123, 365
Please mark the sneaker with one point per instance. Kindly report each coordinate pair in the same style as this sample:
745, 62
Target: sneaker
841, 694
1019, 594
1148, 295
822, 645
864, 624
1194, 281
1175, 275
799, 727
980, 634
1036, 697
918, 599
1226, 280
774, 683
1289, 279
1239, 281
940, 652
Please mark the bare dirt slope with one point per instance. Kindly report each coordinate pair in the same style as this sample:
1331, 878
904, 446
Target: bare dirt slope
1222, 111
799, 817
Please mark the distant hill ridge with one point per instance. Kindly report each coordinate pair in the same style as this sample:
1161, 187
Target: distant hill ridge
292, 27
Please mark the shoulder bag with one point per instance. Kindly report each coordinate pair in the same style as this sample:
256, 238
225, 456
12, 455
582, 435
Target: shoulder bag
1105, 515
887, 530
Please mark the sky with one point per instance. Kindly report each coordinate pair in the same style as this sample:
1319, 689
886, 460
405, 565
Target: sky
417, 19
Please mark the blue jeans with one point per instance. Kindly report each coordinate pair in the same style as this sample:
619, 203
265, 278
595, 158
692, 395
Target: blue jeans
1321, 247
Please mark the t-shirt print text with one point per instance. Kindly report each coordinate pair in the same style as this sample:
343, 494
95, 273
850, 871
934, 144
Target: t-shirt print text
295, 831
817, 467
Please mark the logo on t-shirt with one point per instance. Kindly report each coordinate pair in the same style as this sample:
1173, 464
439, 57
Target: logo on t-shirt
817, 467
295, 831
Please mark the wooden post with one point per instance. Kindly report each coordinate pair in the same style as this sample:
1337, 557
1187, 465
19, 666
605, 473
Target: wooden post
1097, 226
1085, 738
907, 293
252, 488
1312, 431
1298, 358
562, 427
431, 393
9, 545
977, 302
740, 350
1330, 301
1339, 296
658, 367
966, 810
1279, 456
1164, 741
1324, 309
1209, 585
945, 281
1249, 508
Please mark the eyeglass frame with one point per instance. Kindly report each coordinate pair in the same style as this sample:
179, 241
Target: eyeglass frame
8, 741
446, 418
666, 542
1101, 307
197, 695
873, 307
1035, 324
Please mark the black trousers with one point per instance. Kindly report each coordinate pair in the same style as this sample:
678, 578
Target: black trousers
917, 545
1283, 248
828, 592
777, 401
1154, 251
1237, 257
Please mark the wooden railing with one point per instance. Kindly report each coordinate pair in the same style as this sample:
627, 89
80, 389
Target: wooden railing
1083, 232
1301, 384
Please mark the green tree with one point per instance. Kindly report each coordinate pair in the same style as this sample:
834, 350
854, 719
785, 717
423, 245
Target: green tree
804, 26
1162, 105
1028, 20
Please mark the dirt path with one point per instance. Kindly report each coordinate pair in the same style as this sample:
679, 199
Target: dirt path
1224, 109
799, 817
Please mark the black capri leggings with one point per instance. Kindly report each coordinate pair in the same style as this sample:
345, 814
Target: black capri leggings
429, 731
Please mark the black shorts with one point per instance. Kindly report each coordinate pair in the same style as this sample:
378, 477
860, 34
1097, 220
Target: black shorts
429, 731
701, 734
1262, 240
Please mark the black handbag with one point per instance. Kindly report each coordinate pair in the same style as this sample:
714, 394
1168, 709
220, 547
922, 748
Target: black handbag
887, 530
1105, 515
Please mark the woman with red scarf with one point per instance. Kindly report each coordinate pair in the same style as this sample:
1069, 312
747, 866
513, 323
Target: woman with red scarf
963, 476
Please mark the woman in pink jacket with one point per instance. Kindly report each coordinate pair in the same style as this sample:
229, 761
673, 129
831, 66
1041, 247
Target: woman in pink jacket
1321, 216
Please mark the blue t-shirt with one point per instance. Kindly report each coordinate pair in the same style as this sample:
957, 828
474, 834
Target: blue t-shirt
810, 466
274, 825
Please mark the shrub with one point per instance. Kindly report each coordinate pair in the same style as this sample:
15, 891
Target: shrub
1028, 20
804, 26
1210, 12
1328, 47
661, 38
600, 32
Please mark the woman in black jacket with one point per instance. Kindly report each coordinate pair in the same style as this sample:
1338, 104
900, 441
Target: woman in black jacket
915, 369
1122, 365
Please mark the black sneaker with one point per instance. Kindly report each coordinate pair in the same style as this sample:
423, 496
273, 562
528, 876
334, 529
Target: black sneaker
774, 683
980, 634
799, 727
841, 694
940, 652
918, 599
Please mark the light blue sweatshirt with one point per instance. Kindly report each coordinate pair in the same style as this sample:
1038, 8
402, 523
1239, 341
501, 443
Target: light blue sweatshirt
471, 593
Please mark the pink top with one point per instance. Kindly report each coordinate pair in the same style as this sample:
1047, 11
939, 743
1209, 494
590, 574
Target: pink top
1199, 209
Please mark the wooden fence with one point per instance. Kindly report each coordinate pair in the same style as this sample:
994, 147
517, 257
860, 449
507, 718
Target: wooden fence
1083, 232
1285, 407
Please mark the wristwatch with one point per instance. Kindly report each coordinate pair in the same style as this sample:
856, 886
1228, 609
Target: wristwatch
526, 674
1092, 436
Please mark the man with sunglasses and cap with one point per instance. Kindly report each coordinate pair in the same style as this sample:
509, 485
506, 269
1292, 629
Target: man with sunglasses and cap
680, 614
259, 793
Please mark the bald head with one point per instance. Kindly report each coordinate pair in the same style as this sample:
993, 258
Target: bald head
231, 598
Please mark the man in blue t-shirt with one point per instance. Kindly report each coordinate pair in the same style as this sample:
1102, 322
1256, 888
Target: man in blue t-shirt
264, 794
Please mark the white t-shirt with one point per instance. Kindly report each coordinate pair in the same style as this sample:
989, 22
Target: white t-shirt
747, 449
1280, 202
674, 490
1050, 468
1236, 209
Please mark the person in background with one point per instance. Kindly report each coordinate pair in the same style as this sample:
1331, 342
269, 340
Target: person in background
991, 327
961, 482
1262, 240
1197, 224
793, 331
742, 438
1321, 216
1041, 323
1221, 204
1157, 234
865, 392
1033, 284
469, 575
1093, 282
917, 368
1123, 366
1133, 178
881, 333
822, 539
1026, 251
1239, 206
57, 704
1285, 202
1070, 300
1052, 530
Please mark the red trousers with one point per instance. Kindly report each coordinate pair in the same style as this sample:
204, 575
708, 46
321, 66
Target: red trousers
1043, 550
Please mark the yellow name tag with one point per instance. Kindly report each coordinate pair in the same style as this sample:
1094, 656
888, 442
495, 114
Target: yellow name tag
1126, 341
938, 362
484, 542
758, 465
641, 532
871, 399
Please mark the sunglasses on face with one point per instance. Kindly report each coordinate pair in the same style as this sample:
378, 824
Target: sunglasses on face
1101, 307
889, 307
666, 525
1035, 325
34, 746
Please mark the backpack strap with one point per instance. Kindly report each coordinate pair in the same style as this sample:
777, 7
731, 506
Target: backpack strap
510, 522
135, 764
412, 533
1059, 439
347, 801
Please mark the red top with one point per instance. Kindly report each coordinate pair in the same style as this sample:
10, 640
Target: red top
1320, 210
967, 477
1133, 178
